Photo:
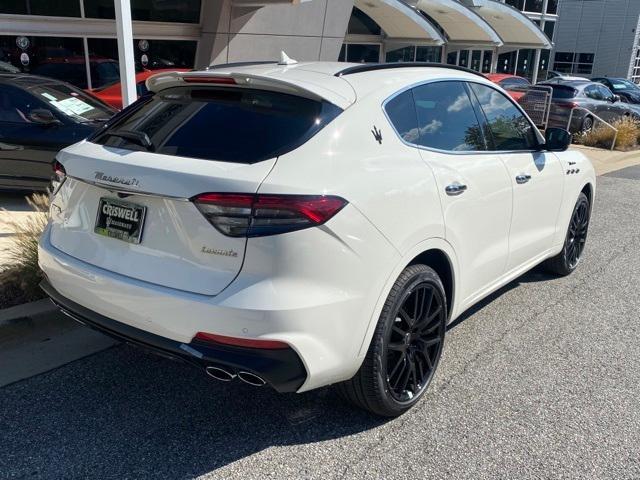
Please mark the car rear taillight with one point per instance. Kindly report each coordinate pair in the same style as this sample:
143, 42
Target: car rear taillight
241, 215
570, 105
59, 176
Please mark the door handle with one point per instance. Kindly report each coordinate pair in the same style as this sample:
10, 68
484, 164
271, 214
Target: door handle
520, 179
455, 189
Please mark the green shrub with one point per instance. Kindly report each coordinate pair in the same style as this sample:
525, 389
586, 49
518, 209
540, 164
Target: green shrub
20, 277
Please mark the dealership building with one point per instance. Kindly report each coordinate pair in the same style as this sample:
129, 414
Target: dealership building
598, 38
76, 40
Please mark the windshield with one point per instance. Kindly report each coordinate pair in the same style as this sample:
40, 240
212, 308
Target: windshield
222, 124
73, 103
620, 84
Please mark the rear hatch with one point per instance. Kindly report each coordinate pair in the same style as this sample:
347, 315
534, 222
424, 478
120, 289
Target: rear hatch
126, 205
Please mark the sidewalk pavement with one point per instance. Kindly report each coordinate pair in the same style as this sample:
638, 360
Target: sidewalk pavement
606, 161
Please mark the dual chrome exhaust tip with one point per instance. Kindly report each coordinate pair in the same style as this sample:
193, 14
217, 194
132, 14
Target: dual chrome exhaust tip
224, 375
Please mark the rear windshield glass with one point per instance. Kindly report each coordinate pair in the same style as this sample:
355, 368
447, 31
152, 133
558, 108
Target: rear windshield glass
563, 92
224, 124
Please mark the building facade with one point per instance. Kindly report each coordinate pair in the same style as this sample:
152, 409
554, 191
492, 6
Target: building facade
75, 40
598, 38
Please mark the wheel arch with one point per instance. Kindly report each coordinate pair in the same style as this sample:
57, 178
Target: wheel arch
436, 253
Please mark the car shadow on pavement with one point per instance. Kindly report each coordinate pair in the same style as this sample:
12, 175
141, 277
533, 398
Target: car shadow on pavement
532, 276
124, 413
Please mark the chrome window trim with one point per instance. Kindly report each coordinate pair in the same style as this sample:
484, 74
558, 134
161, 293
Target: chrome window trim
459, 152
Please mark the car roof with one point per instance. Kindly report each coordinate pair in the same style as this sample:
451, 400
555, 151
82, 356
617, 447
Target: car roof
337, 82
26, 80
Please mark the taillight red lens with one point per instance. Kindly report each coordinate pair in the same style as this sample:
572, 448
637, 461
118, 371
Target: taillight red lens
59, 176
240, 342
240, 215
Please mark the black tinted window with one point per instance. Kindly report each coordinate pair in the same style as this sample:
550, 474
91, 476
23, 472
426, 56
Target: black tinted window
402, 113
560, 92
514, 82
231, 125
446, 119
509, 128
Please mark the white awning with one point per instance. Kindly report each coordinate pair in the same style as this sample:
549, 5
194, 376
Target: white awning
400, 21
461, 24
513, 26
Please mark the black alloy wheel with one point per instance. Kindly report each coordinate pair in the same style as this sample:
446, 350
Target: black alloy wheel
568, 259
577, 234
405, 348
414, 342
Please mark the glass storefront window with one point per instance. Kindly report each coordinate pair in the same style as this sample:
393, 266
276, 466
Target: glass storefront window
183, 11
506, 62
361, 24
400, 54
452, 58
476, 57
519, 4
526, 59
543, 67
534, 6
429, 54
463, 59
549, 27
487, 58
363, 53
58, 8
552, 7
57, 57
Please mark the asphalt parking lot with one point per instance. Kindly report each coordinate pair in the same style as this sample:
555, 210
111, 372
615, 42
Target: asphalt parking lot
541, 380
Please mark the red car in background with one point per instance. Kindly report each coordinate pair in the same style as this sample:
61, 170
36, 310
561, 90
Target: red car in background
508, 82
112, 94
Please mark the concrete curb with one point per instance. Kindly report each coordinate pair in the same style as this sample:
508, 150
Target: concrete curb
36, 337
27, 310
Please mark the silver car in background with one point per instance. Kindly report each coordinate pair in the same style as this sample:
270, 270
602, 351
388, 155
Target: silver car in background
577, 95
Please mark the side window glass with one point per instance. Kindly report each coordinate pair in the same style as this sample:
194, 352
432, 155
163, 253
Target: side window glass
402, 114
605, 93
15, 105
510, 129
446, 118
592, 92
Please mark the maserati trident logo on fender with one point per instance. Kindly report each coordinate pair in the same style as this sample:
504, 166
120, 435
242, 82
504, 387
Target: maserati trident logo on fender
128, 181
218, 251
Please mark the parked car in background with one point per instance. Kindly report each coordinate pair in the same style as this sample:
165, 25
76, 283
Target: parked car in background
554, 76
509, 82
104, 71
284, 224
627, 90
568, 95
38, 117
112, 94
8, 68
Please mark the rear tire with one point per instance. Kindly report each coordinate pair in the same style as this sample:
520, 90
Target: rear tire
587, 124
405, 348
568, 259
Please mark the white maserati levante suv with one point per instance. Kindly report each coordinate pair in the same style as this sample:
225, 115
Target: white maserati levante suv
301, 225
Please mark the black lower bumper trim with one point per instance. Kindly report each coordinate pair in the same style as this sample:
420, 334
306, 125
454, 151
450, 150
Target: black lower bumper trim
282, 369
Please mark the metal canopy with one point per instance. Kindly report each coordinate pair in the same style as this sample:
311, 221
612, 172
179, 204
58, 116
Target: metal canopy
461, 24
514, 27
401, 22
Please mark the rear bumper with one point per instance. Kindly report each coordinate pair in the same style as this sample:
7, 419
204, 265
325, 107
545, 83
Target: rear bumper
282, 369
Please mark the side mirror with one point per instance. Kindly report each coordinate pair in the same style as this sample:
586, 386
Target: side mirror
616, 98
556, 139
43, 117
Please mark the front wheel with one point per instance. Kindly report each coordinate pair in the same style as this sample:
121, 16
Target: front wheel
406, 346
568, 259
